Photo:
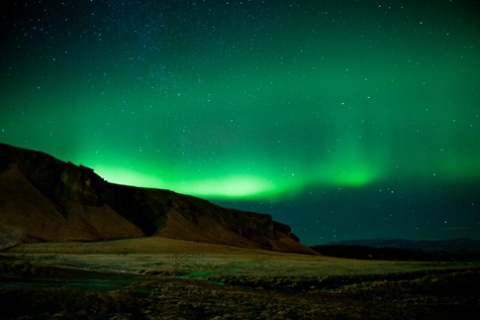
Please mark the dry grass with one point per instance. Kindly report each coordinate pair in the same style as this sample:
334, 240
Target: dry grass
162, 255
158, 278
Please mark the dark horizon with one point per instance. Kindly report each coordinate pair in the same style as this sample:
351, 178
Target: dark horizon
411, 214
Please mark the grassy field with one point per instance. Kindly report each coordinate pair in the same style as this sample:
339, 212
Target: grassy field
158, 278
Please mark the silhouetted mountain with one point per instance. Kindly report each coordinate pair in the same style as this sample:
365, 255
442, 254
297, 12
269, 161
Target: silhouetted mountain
402, 249
48, 199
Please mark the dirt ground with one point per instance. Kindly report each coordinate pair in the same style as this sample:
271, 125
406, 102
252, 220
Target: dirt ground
32, 291
159, 278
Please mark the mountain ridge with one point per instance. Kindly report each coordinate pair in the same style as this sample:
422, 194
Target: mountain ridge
430, 246
55, 200
403, 249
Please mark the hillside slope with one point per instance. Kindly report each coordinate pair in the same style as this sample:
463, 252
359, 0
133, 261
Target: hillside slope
53, 200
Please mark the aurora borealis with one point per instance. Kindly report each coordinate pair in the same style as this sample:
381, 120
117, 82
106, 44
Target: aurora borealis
343, 119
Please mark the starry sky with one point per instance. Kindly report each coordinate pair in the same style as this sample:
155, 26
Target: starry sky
343, 119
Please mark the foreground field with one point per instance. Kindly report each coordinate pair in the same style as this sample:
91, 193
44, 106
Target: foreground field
158, 278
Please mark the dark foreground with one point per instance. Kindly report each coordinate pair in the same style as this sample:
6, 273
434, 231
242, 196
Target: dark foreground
31, 292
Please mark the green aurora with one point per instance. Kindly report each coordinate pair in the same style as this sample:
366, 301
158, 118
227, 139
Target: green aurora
253, 102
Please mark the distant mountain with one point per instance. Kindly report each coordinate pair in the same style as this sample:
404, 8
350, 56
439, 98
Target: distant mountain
430, 246
403, 249
43, 198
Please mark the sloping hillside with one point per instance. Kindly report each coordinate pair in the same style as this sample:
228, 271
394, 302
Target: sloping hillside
53, 200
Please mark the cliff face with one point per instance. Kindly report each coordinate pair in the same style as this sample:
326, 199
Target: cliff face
53, 200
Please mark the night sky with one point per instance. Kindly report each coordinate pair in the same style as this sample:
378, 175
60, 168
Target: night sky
343, 119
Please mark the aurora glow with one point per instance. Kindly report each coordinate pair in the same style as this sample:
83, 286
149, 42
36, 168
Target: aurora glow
279, 107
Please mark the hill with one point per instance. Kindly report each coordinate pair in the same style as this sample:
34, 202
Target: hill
44, 198
403, 249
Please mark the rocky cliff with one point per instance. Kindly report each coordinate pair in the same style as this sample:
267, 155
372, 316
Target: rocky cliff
53, 200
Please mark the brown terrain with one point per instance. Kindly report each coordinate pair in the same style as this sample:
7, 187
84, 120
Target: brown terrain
52, 200
74, 246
